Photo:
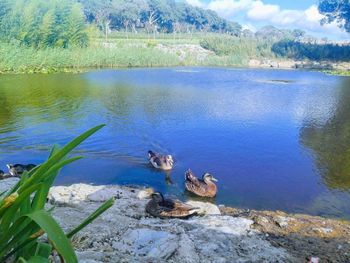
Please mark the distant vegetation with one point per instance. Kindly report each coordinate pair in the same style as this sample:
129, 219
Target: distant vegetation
69, 35
299, 50
41, 23
65, 23
246, 47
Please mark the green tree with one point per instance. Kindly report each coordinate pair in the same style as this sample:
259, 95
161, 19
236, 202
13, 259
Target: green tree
40, 23
336, 10
100, 11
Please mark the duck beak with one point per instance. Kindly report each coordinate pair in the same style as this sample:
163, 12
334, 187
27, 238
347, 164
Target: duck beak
214, 179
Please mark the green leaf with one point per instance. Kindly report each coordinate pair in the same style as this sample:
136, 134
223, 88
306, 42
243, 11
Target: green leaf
18, 240
57, 157
55, 234
92, 217
8, 214
43, 250
41, 195
35, 259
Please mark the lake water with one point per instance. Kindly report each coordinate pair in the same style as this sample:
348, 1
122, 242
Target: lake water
275, 139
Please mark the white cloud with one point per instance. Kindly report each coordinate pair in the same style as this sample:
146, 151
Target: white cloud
228, 8
256, 11
312, 14
249, 26
260, 11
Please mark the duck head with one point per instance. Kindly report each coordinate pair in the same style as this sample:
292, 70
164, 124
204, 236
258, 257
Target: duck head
207, 177
151, 154
157, 197
12, 169
169, 159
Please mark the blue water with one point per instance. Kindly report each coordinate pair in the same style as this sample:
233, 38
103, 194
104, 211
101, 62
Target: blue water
275, 139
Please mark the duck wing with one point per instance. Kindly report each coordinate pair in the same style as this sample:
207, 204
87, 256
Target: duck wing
195, 185
191, 178
157, 160
177, 209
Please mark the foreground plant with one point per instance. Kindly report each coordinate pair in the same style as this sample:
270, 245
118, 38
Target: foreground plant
24, 219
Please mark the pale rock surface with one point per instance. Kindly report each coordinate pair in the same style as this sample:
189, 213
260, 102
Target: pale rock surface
8, 183
125, 233
205, 208
145, 193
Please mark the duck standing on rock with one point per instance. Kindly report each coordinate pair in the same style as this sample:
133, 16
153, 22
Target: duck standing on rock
204, 187
18, 169
160, 207
4, 175
162, 162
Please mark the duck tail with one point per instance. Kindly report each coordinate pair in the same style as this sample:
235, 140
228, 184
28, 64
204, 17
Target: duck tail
188, 175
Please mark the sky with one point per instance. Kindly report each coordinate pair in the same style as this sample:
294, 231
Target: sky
253, 14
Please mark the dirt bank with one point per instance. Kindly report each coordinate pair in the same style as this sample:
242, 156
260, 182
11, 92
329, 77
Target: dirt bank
301, 235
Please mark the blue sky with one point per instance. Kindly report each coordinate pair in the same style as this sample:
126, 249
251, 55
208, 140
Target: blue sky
253, 14
296, 4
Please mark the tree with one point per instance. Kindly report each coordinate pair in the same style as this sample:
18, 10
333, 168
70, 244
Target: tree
41, 23
100, 11
128, 13
336, 10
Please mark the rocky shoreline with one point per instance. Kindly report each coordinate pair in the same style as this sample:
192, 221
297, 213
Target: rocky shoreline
125, 233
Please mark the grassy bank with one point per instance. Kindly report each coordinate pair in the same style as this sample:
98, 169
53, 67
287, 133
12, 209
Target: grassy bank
28, 60
338, 72
120, 52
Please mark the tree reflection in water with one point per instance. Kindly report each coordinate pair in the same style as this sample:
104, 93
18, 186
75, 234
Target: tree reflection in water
330, 143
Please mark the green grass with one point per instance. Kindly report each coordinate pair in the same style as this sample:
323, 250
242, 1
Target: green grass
139, 50
338, 72
20, 59
121, 52
244, 47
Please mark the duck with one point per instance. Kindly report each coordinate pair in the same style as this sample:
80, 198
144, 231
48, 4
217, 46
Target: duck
4, 175
163, 208
18, 169
204, 187
162, 162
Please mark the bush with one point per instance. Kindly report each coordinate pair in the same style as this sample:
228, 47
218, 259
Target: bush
243, 47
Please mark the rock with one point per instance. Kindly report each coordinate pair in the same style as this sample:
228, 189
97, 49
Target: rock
323, 230
225, 224
148, 243
125, 233
314, 260
282, 221
71, 194
146, 193
6, 184
183, 51
103, 194
205, 208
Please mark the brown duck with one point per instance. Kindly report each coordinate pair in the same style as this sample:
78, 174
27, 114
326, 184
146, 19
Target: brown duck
18, 169
204, 187
160, 207
162, 162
